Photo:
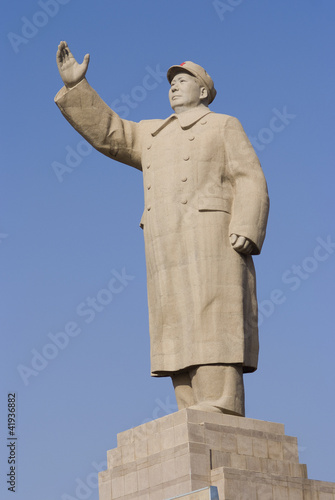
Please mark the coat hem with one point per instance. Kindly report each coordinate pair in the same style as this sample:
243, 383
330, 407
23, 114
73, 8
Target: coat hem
168, 373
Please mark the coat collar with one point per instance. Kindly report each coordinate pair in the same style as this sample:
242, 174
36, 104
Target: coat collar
186, 119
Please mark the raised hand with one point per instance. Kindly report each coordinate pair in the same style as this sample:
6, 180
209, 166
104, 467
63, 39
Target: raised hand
70, 71
241, 244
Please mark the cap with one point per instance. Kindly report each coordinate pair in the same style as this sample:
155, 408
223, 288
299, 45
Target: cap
198, 72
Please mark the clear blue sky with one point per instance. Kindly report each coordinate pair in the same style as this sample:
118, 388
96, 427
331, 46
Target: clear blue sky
61, 238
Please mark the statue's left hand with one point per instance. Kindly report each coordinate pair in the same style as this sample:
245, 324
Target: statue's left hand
241, 244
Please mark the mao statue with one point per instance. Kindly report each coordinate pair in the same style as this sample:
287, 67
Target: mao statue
205, 215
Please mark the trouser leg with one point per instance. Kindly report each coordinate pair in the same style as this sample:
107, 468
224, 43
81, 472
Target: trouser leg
183, 389
217, 388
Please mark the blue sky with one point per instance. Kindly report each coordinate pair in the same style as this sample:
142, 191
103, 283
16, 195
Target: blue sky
63, 237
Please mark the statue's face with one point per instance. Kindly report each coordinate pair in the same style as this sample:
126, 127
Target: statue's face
185, 92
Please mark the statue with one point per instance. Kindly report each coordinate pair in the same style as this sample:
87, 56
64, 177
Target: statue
205, 215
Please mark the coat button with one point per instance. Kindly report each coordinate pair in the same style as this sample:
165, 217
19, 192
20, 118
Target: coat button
186, 157
191, 138
203, 122
149, 186
148, 165
184, 179
149, 146
149, 208
184, 202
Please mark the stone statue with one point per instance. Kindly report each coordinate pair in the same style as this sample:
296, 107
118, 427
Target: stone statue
206, 209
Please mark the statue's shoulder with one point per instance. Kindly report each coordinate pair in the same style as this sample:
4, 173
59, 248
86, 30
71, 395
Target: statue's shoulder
151, 124
226, 121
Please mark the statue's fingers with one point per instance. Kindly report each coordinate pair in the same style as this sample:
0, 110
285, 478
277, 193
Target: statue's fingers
59, 54
247, 247
241, 241
233, 239
63, 46
86, 60
243, 245
59, 57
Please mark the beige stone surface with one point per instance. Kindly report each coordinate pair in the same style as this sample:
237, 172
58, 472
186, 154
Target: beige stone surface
210, 493
217, 388
206, 208
244, 458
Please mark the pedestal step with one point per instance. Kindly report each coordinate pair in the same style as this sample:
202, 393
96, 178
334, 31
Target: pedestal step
237, 484
190, 450
210, 493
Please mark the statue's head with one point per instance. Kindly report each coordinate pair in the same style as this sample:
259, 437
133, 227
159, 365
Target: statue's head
191, 85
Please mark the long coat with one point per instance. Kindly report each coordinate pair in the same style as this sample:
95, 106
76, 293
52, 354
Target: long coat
202, 182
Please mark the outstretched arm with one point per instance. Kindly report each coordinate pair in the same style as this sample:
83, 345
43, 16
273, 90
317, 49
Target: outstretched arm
70, 71
91, 117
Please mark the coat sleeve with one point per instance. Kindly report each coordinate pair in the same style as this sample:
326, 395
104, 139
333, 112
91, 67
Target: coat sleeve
251, 202
100, 125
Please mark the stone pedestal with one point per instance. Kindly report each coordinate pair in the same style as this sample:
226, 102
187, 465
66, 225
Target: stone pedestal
191, 450
210, 493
